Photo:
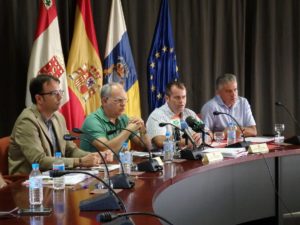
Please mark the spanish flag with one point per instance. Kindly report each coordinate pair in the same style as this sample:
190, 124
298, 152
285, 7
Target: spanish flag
118, 63
84, 69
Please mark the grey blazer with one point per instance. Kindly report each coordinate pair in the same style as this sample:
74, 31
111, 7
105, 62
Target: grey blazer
30, 142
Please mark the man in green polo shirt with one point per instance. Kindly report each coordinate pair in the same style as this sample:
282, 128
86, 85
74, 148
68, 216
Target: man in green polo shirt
110, 117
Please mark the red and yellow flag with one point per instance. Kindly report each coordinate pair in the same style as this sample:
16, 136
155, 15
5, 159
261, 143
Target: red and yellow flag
84, 69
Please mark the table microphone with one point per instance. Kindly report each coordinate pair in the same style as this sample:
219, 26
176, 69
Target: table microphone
242, 144
295, 139
191, 154
107, 201
108, 216
183, 127
122, 180
150, 165
68, 137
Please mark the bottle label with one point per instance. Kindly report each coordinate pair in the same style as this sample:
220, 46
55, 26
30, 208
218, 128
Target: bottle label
231, 134
60, 167
169, 146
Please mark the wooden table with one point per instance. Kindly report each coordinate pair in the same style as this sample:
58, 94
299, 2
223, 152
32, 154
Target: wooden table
229, 192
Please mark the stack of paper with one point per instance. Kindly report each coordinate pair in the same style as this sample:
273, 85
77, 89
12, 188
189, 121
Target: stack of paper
228, 152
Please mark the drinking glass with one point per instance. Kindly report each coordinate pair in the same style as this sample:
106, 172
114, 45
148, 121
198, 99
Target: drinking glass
279, 128
219, 136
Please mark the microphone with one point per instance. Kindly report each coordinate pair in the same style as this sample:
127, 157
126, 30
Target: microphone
107, 201
69, 137
150, 165
187, 133
108, 216
295, 139
191, 154
244, 143
120, 181
196, 125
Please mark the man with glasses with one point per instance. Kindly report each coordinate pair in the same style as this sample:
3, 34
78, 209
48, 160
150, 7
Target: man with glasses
109, 125
39, 130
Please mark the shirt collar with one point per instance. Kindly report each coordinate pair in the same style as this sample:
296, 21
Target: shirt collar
222, 104
103, 116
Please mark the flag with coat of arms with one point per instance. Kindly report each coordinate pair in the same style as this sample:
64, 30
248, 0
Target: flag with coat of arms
118, 61
84, 68
46, 54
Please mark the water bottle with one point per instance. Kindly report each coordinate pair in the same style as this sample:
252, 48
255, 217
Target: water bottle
126, 158
35, 186
168, 148
58, 182
231, 134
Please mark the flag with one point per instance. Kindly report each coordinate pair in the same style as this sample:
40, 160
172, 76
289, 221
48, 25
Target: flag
118, 63
46, 54
162, 65
84, 69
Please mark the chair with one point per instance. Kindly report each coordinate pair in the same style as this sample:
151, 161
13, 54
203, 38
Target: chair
4, 144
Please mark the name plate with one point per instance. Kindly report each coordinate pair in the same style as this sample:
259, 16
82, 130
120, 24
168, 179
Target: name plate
159, 161
212, 157
258, 148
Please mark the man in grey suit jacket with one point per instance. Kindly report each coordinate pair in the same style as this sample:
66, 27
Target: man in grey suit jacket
38, 132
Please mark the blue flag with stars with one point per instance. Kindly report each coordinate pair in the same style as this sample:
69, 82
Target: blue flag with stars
162, 65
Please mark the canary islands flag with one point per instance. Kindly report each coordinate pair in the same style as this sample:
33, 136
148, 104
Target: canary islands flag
162, 65
118, 62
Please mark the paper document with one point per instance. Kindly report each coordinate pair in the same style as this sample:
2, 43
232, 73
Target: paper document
228, 152
260, 139
109, 166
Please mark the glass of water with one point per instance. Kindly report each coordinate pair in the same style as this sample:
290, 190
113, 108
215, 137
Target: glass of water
279, 128
219, 136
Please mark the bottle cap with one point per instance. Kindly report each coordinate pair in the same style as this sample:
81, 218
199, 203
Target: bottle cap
125, 145
35, 166
57, 154
168, 134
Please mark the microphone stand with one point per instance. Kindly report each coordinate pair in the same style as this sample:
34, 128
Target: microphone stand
120, 181
244, 143
68, 137
295, 140
150, 165
108, 216
107, 201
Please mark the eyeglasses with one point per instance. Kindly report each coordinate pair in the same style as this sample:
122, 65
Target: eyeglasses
54, 93
120, 100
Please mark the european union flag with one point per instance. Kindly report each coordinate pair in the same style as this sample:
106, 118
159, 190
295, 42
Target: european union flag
162, 66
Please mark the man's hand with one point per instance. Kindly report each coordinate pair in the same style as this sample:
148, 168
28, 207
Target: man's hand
92, 159
197, 138
108, 155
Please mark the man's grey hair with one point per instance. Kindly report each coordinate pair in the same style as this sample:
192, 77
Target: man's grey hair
224, 79
107, 89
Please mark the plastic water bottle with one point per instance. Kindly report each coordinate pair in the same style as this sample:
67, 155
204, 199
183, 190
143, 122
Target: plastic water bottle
126, 158
58, 182
231, 134
168, 149
35, 186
